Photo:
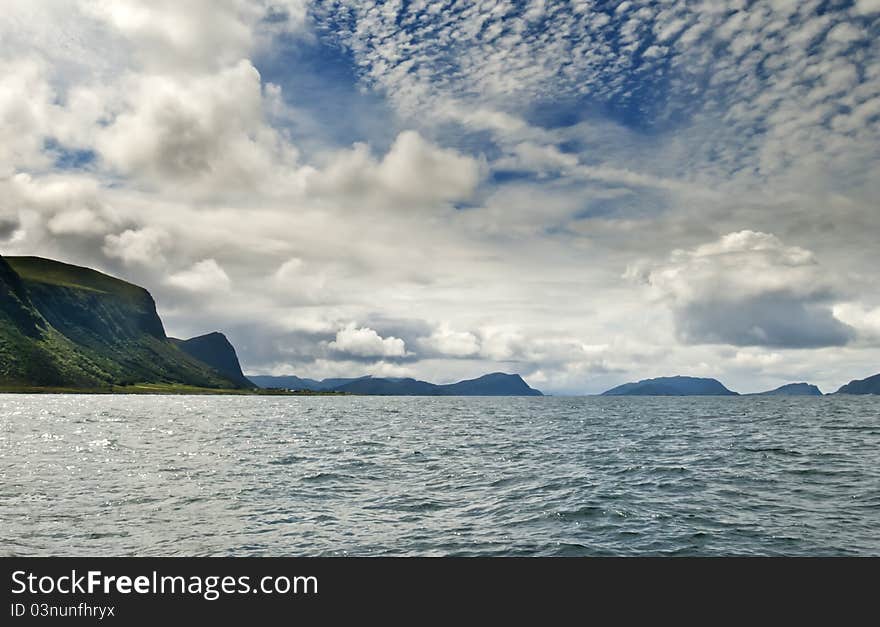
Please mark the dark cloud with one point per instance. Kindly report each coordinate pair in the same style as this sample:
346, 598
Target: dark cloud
8, 226
276, 15
771, 320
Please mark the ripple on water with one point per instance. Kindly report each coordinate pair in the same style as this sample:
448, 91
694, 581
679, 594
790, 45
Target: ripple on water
453, 476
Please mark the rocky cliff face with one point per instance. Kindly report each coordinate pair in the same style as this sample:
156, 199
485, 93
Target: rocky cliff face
15, 305
216, 351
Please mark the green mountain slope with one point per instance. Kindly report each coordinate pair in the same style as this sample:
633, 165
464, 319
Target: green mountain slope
62, 325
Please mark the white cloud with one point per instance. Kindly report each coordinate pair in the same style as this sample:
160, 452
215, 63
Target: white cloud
365, 342
865, 320
143, 246
205, 276
25, 114
747, 288
844, 33
82, 221
302, 282
446, 341
205, 129
195, 35
867, 7
414, 173
757, 359
742, 264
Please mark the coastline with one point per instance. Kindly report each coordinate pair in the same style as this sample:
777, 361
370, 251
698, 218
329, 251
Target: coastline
162, 389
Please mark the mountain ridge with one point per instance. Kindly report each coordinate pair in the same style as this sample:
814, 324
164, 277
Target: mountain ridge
672, 386
792, 389
492, 384
868, 385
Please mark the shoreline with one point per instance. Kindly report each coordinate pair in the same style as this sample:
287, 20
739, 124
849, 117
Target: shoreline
159, 389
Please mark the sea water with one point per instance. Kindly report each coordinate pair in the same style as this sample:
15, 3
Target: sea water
552, 476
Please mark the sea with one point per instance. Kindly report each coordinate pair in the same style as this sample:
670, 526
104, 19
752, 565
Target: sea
427, 476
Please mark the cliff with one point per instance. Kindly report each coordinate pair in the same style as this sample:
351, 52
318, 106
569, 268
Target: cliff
216, 351
67, 326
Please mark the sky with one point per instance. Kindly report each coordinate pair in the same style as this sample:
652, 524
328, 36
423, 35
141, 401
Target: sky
581, 192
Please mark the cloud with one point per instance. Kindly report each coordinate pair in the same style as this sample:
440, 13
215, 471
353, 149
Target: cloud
9, 224
25, 114
144, 246
757, 359
770, 320
866, 320
205, 129
302, 282
413, 173
82, 221
66, 206
206, 276
452, 343
748, 289
867, 7
365, 342
736, 77
198, 34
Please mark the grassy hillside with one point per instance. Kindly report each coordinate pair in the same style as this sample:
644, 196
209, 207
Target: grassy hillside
66, 326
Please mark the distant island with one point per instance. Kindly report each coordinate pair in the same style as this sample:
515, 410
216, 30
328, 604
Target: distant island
671, 386
871, 385
793, 389
696, 386
495, 384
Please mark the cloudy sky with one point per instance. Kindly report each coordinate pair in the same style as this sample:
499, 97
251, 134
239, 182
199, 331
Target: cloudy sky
582, 192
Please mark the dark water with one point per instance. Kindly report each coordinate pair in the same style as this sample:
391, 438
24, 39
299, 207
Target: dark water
172, 475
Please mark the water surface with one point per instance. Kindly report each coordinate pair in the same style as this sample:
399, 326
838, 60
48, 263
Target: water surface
200, 475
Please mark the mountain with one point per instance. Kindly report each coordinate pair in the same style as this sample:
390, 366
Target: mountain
67, 326
390, 387
291, 382
216, 351
793, 389
495, 384
871, 385
671, 386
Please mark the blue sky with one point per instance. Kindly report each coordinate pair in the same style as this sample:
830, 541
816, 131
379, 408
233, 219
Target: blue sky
582, 192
